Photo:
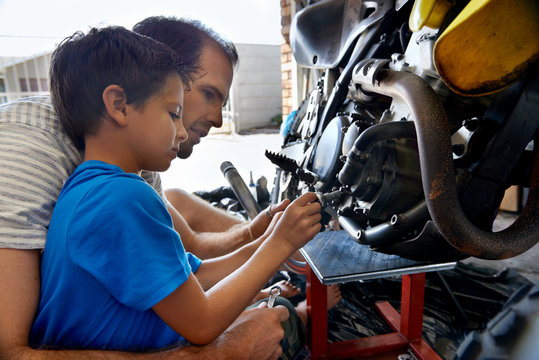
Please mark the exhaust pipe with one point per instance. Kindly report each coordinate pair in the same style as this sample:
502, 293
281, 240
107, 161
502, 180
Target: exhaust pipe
240, 189
437, 170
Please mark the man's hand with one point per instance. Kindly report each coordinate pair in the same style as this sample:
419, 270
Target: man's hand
255, 335
260, 223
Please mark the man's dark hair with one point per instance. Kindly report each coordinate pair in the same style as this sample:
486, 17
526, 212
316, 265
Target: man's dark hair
186, 36
82, 66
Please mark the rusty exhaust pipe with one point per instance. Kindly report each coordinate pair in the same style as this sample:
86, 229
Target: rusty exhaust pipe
438, 173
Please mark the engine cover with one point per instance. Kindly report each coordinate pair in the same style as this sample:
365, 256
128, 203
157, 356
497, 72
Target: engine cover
326, 161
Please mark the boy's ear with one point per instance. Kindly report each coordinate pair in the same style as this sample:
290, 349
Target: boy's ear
115, 102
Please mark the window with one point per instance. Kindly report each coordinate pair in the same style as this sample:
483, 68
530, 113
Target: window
3, 99
33, 85
22, 83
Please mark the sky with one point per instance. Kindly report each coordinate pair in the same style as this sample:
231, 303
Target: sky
29, 27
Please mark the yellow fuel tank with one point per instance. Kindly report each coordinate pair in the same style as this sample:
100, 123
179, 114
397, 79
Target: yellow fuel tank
488, 46
429, 13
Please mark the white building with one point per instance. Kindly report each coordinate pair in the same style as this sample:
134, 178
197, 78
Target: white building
255, 95
20, 77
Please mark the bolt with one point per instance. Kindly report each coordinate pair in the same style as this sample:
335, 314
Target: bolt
471, 124
458, 149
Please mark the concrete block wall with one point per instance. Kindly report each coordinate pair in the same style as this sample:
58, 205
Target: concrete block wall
256, 88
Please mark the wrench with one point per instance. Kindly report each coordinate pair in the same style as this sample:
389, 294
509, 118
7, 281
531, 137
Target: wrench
274, 292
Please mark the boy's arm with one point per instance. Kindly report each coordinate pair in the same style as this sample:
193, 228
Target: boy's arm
215, 269
188, 306
255, 335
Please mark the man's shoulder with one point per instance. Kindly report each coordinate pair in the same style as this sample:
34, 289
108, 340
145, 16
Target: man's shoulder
28, 104
154, 179
34, 111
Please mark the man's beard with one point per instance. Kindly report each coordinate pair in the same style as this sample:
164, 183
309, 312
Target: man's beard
186, 149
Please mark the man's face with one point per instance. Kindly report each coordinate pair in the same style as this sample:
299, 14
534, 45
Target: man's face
203, 103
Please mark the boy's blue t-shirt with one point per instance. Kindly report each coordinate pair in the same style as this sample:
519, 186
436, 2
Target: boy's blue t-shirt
111, 254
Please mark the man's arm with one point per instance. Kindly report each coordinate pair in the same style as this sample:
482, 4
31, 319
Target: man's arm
207, 245
199, 214
254, 335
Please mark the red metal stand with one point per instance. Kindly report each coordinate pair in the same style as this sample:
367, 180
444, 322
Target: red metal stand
407, 325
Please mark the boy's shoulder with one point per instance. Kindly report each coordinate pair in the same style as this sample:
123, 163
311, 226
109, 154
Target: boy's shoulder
99, 193
110, 183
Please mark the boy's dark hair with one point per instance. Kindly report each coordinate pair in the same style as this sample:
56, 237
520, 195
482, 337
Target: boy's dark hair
186, 36
82, 66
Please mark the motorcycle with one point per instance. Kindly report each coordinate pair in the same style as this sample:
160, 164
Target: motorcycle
418, 115
421, 114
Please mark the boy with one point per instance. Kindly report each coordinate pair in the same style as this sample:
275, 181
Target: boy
37, 157
115, 274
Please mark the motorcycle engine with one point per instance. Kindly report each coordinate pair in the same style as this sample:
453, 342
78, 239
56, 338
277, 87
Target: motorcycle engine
385, 180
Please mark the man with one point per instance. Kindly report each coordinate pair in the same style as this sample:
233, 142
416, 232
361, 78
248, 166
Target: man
36, 157
202, 226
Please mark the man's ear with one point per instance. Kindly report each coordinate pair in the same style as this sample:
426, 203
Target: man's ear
115, 102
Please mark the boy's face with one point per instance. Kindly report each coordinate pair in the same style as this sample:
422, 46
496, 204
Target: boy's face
205, 100
157, 127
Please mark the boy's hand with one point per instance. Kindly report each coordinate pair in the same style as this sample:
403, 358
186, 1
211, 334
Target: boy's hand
300, 221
